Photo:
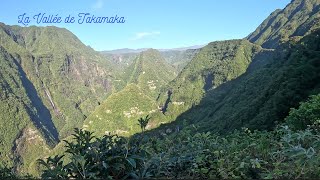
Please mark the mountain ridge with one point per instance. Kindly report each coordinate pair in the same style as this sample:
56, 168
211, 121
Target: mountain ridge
128, 50
298, 18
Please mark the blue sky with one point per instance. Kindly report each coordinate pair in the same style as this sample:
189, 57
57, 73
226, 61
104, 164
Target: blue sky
149, 23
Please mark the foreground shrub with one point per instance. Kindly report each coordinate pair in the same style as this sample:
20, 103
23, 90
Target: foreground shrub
308, 114
109, 157
278, 154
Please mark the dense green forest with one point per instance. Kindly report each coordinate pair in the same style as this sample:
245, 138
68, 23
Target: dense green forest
52, 82
262, 97
300, 17
288, 151
246, 108
215, 64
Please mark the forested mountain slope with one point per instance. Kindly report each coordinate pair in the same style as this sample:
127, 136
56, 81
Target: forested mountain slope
150, 72
50, 83
299, 18
262, 97
215, 64
147, 74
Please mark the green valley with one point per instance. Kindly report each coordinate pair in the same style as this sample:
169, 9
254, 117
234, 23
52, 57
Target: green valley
241, 108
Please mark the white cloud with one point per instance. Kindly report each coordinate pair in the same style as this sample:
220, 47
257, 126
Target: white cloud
142, 35
98, 4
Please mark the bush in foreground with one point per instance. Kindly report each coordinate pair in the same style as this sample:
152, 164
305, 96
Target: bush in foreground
278, 154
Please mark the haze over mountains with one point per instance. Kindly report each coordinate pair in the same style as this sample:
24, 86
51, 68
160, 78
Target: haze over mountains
178, 57
127, 50
51, 83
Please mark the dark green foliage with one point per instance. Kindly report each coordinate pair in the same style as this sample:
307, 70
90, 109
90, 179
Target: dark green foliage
6, 173
278, 154
249, 155
55, 166
143, 122
308, 114
109, 157
9, 173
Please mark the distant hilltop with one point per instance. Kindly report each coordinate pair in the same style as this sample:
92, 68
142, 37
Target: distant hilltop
127, 50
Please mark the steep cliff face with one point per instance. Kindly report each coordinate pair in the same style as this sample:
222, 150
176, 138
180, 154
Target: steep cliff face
299, 18
50, 81
15, 105
69, 77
